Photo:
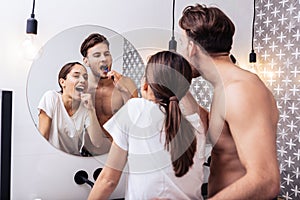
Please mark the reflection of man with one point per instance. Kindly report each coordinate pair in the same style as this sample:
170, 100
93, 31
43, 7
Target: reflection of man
243, 159
110, 89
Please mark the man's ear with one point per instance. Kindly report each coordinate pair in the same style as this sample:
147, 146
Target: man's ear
191, 48
85, 61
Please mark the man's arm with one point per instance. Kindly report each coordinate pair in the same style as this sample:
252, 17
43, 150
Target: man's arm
124, 84
131, 89
190, 106
252, 117
109, 177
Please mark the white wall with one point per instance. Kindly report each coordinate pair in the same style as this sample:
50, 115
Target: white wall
39, 170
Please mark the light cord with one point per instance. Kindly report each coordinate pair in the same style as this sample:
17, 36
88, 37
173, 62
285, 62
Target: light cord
33, 6
253, 22
173, 18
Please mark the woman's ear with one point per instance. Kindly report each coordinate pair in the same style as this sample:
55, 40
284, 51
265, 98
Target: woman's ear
144, 89
62, 82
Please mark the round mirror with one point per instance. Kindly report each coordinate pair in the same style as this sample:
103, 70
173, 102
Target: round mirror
68, 129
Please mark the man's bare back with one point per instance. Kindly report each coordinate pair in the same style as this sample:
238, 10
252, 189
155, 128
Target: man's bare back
226, 165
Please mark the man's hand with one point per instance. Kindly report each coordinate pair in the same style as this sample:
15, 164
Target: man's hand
117, 78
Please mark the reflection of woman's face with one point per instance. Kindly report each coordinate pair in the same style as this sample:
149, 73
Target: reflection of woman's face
76, 82
99, 60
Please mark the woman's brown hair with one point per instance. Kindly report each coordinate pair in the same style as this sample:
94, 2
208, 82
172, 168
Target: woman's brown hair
169, 75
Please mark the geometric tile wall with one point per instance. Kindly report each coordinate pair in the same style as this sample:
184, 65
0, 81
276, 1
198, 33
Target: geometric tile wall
277, 44
133, 65
202, 92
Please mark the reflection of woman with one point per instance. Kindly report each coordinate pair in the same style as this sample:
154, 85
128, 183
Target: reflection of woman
164, 149
67, 118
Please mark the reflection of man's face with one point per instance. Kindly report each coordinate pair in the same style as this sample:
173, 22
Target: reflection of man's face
184, 50
99, 60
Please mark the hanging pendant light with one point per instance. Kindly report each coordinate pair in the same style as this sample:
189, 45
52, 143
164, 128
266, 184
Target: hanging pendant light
30, 45
252, 55
172, 42
32, 23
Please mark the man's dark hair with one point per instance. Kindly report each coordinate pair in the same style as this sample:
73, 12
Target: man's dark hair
92, 40
209, 27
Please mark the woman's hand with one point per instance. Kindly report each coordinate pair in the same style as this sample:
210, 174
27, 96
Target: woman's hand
86, 99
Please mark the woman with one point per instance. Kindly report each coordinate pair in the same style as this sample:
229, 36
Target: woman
164, 150
67, 118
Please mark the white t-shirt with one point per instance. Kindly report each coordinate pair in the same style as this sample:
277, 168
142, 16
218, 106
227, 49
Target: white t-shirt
136, 128
66, 132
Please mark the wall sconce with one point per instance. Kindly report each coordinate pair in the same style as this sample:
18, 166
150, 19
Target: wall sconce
30, 44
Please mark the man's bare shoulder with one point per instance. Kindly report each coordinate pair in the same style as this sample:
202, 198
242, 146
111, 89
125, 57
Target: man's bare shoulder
128, 79
246, 83
249, 95
130, 85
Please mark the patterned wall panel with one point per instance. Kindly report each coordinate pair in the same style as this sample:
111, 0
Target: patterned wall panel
277, 41
202, 92
133, 65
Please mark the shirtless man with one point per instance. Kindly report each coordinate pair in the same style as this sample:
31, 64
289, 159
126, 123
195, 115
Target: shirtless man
110, 90
243, 117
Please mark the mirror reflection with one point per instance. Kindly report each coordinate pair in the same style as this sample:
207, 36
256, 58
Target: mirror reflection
77, 84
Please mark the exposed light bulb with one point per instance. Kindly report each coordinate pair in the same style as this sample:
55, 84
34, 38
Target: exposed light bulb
270, 75
31, 47
252, 68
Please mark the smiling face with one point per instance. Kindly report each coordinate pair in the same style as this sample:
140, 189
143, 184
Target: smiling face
99, 59
75, 83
